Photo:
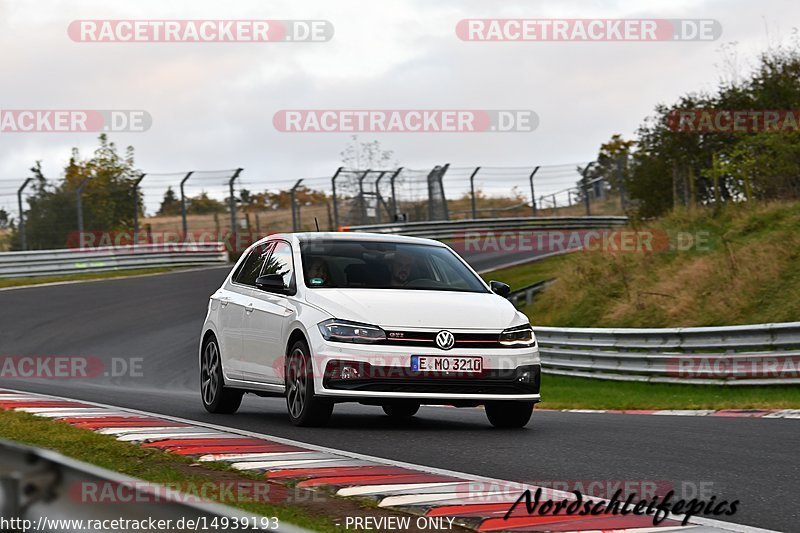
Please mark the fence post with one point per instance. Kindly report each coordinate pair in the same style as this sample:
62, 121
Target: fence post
183, 205
22, 237
445, 168
362, 205
585, 187
674, 184
234, 241
715, 167
394, 198
136, 208
533, 194
79, 193
335, 208
621, 180
378, 197
472, 191
295, 209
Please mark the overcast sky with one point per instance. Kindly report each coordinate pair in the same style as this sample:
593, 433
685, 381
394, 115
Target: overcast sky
212, 103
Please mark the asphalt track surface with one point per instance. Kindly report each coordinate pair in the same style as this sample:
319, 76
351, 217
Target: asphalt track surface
158, 319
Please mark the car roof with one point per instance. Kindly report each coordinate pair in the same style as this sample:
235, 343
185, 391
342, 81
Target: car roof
350, 236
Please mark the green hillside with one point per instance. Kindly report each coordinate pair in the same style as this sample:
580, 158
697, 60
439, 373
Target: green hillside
745, 270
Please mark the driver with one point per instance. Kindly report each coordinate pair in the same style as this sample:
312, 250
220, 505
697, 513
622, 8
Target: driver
401, 264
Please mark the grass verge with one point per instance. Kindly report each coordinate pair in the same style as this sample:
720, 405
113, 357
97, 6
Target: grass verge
739, 264
522, 275
564, 392
20, 282
318, 512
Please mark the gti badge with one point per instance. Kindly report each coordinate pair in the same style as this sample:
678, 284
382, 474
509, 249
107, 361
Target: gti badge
445, 340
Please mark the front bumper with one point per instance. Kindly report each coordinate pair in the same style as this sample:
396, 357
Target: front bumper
384, 372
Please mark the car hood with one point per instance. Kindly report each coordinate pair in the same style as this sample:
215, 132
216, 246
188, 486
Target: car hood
397, 308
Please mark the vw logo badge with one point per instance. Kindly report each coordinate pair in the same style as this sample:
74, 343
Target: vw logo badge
445, 340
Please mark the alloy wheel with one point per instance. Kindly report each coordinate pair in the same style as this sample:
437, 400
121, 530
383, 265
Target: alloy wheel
209, 372
297, 383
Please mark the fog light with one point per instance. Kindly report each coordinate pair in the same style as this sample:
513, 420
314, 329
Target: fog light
525, 377
349, 372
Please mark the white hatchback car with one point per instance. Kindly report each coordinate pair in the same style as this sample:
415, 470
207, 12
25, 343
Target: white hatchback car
322, 318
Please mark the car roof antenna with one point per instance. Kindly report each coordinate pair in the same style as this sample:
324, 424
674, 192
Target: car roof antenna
316, 223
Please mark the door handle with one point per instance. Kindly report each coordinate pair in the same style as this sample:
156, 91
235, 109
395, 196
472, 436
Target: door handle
225, 300
248, 309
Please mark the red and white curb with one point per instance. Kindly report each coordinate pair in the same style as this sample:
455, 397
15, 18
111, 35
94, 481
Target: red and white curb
735, 413
474, 502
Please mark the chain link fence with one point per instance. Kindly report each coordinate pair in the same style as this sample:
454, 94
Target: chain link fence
231, 206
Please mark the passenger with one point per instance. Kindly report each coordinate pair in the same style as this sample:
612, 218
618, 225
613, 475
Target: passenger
318, 273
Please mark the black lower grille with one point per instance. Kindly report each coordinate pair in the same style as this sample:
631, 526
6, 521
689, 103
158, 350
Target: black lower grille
490, 382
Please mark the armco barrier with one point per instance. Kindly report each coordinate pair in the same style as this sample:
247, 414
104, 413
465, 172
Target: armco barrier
72, 261
525, 295
42, 489
448, 229
761, 354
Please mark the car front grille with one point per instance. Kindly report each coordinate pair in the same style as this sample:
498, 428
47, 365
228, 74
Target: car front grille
428, 339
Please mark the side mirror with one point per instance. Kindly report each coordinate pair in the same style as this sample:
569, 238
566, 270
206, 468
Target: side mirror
271, 283
500, 288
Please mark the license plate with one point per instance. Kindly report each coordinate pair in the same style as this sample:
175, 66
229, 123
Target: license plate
431, 363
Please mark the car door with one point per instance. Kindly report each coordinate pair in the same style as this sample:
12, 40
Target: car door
266, 316
233, 302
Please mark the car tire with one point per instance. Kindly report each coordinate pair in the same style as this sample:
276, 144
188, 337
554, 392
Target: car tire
509, 414
401, 409
304, 407
216, 397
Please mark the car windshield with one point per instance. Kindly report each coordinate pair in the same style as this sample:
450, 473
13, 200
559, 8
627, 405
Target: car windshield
356, 264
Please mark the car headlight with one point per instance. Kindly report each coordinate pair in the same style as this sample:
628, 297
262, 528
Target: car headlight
518, 336
346, 331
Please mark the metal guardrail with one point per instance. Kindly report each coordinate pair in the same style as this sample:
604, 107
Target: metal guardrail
525, 295
100, 259
761, 354
447, 229
47, 490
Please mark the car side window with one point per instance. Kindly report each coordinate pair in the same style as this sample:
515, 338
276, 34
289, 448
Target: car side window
251, 267
280, 262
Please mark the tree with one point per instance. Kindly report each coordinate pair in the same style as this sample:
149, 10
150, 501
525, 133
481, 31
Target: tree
170, 205
107, 197
203, 205
670, 167
359, 155
5, 219
612, 162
